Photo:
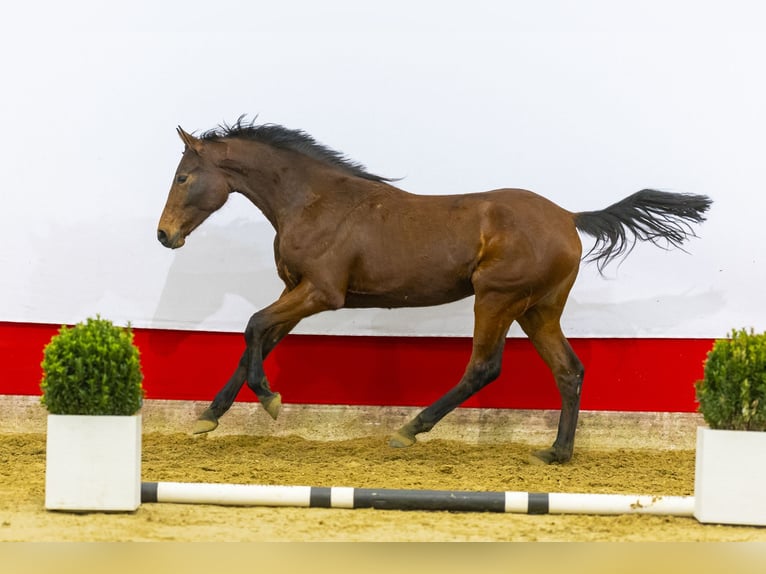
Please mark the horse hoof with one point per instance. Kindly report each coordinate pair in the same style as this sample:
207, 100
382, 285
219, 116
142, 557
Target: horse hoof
400, 440
537, 458
548, 456
204, 425
273, 405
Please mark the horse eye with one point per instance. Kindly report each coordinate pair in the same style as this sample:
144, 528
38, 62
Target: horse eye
181, 179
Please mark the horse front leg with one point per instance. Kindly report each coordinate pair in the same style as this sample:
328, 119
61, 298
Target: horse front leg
264, 330
270, 401
222, 402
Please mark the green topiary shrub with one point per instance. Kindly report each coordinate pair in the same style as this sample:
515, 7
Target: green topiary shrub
732, 394
92, 368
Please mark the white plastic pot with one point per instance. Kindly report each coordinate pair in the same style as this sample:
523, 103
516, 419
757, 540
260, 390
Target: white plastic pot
93, 463
730, 470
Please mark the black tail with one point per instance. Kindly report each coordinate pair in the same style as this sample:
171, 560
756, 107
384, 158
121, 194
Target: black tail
648, 215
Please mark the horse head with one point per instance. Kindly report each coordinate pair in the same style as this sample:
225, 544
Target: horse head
199, 188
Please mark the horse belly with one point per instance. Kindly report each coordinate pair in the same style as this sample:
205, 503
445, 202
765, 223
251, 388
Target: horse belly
407, 298
416, 280
417, 252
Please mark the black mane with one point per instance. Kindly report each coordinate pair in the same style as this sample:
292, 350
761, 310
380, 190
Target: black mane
284, 138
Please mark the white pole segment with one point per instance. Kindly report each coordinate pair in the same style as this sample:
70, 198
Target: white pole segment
565, 503
342, 497
233, 494
517, 502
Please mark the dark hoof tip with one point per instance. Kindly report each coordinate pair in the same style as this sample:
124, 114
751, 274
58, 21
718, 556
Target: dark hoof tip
548, 456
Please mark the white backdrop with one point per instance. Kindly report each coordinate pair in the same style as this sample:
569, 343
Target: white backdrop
584, 102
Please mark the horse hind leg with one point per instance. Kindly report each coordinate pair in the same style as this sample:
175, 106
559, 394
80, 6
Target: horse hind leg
542, 327
494, 316
480, 372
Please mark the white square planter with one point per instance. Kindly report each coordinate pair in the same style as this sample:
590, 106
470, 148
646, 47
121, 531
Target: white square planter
93, 463
729, 477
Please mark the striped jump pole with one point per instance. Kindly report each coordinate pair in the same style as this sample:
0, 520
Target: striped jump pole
393, 499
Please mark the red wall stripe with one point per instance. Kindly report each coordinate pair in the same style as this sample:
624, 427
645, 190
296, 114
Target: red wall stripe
620, 374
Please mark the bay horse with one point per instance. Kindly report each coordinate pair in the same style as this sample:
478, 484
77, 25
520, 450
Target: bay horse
349, 238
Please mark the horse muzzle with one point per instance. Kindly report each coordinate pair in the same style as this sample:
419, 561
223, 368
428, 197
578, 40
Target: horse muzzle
173, 241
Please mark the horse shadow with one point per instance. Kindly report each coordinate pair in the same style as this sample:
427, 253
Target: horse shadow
219, 271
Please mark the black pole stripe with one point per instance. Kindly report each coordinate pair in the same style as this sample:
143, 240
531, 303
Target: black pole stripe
388, 499
320, 497
149, 491
538, 503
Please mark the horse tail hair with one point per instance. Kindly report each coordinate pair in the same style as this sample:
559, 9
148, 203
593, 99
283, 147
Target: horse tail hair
660, 217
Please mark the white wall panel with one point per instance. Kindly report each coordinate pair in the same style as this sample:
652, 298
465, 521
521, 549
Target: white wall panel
584, 102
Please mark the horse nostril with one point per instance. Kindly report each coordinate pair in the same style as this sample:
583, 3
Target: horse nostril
162, 237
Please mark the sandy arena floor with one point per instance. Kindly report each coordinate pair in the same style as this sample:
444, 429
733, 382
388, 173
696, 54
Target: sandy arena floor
359, 462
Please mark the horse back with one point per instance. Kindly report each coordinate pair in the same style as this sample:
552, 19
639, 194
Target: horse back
424, 250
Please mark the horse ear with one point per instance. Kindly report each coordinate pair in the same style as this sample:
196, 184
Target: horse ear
194, 144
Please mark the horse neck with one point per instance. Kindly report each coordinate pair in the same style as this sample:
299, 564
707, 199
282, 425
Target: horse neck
272, 179
281, 183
